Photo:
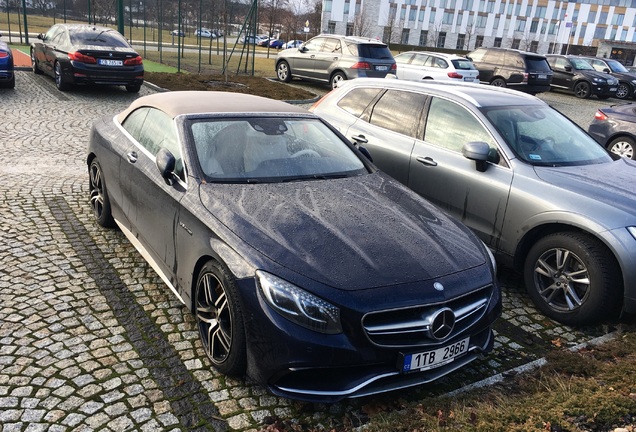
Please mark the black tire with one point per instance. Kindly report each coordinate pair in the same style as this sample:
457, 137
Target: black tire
573, 278
9, 84
498, 82
133, 88
582, 90
59, 81
34, 64
623, 91
100, 203
623, 146
337, 78
219, 317
283, 72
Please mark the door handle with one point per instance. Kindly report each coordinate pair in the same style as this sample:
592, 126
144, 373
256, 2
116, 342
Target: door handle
132, 157
360, 139
426, 161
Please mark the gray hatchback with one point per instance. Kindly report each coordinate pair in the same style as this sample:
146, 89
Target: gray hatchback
540, 192
334, 58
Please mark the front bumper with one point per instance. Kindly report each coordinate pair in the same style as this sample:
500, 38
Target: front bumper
298, 363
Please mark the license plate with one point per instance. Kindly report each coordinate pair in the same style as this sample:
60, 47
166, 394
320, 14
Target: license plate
613, 88
469, 79
432, 359
109, 62
542, 76
382, 68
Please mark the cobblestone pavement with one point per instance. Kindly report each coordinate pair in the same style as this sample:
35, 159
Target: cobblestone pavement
90, 337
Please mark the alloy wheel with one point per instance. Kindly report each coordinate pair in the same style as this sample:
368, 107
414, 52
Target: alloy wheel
214, 318
96, 190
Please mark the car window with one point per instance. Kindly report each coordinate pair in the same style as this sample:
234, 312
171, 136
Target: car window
543, 136
52, 32
598, 65
580, 64
514, 59
107, 37
420, 59
450, 126
534, 63
561, 63
155, 130
463, 64
271, 150
332, 46
399, 111
314, 44
403, 58
616, 66
59, 38
357, 100
494, 56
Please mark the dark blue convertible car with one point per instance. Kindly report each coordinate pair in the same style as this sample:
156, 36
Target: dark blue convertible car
7, 75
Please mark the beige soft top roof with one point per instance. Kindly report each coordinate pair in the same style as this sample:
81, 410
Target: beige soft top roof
201, 102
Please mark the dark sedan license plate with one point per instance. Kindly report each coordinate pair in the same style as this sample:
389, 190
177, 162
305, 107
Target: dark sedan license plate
382, 68
542, 76
109, 62
435, 358
613, 89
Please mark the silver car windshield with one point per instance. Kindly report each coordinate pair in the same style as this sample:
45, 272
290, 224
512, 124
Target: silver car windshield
271, 149
543, 136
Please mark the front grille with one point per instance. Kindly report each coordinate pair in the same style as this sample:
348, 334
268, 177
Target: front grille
409, 327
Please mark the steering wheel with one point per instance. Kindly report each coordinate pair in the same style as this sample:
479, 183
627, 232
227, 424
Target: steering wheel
529, 144
306, 153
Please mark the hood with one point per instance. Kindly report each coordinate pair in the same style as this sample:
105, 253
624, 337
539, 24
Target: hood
609, 183
595, 74
354, 233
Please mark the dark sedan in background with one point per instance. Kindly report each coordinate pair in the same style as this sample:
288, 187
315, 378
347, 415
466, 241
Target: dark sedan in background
76, 54
7, 74
626, 79
548, 199
614, 127
304, 266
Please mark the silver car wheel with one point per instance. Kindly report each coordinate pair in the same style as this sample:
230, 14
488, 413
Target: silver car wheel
622, 92
337, 78
98, 197
562, 279
624, 147
282, 71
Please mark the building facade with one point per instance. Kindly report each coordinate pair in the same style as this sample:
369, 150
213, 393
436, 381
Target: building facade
543, 26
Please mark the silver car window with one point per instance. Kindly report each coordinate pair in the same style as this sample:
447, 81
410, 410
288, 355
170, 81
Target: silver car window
399, 111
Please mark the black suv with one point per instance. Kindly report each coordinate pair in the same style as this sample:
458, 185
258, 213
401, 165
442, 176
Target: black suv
626, 79
333, 58
577, 75
506, 67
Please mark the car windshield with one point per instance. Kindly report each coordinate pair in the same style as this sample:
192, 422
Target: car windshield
271, 149
543, 136
462, 64
105, 38
616, 66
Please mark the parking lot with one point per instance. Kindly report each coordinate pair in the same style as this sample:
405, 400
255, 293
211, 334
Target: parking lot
91, 338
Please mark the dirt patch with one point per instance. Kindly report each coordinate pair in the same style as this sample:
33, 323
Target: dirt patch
237, 83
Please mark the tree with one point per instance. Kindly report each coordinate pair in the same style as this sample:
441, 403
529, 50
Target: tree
362, 23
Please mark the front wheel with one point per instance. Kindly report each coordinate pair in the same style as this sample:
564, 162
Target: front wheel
572, 278
623, 91
582, 90
283, 72
99, 196
220, 319
336, 79
623, 146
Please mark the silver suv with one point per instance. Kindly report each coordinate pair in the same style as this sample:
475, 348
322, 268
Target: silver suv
539, 191
335, 58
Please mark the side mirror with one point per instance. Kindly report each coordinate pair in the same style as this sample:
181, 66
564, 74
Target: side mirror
165, 163
302, 49
41, 36
477, 151
568, 68
606, 70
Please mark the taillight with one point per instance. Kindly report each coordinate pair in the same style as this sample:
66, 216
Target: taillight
525, 77
394, 66
133, 61
454, 75
361, 65
79, 57
4, 54
600, 115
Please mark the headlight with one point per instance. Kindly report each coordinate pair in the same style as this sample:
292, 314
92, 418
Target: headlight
634, 82
599, 80
632, 231
299, 306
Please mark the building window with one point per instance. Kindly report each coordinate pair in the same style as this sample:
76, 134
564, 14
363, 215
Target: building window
617, 19
422, 15
515, 43
540, 12
520, 25
603, 18
331, 27
467, 4
431, 18
534, 46
423, 38
412, 14
405, 36
328, 6
448, 18
461, 40
386, 35
481, 21
552, 48
346, 7
497, 42
349, 29
479, 41
490, 7
441, 40
591, 18
599, 33
534, 26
